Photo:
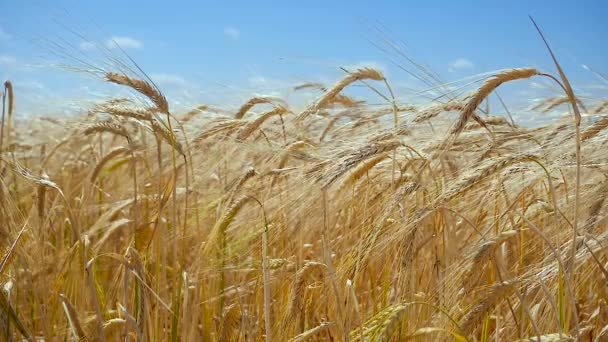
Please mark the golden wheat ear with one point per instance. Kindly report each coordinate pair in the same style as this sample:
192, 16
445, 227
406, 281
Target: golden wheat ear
141, 86
329, 96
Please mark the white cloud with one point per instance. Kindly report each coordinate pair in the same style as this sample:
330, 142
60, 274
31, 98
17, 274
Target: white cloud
87, 46
459, 64
232, 32
124, 42
4, 35
7, 60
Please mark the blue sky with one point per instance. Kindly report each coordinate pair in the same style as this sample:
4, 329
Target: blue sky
224, 51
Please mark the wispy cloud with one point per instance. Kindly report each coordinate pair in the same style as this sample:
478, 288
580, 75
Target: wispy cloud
7, 60
124, 42
4, 35
87, 46
232, 32
459, 64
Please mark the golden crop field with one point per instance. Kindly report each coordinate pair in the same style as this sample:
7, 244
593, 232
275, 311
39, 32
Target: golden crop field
338, 221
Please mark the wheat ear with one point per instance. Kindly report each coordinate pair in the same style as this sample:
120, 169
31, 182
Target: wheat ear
255, 124
327, 98
141, 86
252, 102
482, 93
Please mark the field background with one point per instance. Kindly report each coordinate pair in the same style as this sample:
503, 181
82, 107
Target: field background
351, 208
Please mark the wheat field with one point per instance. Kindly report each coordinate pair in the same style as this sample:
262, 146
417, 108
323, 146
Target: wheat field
339, 221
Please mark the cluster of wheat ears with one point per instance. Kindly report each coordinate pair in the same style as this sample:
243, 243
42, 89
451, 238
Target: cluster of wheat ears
342, 221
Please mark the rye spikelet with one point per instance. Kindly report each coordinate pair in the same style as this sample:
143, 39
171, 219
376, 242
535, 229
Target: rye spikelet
255, 124
141, 86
